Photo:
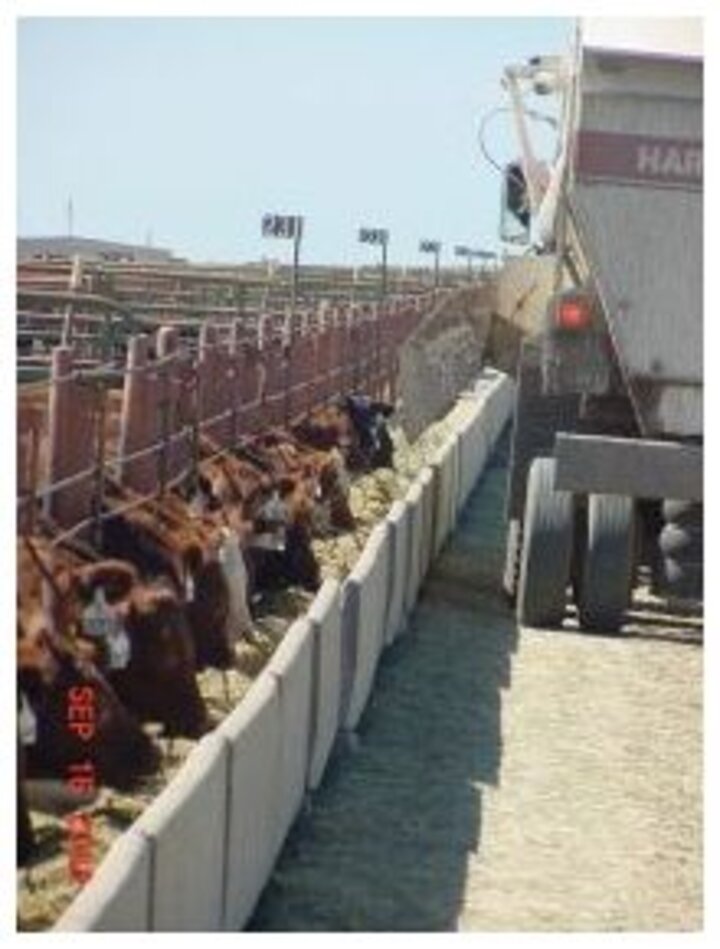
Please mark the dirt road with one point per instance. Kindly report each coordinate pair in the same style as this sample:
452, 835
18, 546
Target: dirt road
508, 780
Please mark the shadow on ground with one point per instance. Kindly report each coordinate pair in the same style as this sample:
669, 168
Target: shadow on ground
385, 845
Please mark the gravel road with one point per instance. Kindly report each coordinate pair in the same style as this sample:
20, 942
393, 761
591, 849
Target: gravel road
509, 779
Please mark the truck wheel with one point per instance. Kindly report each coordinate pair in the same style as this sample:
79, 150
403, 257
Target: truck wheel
609, 562
680, 543
683, 578
513, 546
684, 513
546, 549
683, 542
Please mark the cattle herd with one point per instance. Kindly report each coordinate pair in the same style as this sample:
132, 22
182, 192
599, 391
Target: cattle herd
112, 634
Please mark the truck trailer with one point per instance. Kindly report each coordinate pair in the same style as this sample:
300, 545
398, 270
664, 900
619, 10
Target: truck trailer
607, 444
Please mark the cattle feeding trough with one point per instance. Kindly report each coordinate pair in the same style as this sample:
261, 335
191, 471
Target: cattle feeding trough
166, 469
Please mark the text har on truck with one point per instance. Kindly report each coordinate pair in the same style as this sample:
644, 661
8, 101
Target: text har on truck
606, 458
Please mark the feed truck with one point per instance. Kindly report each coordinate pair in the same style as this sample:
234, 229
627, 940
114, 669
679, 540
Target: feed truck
605, 480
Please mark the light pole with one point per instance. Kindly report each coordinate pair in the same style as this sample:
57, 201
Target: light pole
469, 252
462, 251
287, 226
381, 236
433, 247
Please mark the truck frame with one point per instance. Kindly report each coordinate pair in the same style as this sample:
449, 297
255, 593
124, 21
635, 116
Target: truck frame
606, 458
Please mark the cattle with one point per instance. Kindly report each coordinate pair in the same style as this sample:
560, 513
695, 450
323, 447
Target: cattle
277, 509
357, 426
26, 842
169, 542
158, 682
51, 676
322, 474
136, 633
370, 421
328, 427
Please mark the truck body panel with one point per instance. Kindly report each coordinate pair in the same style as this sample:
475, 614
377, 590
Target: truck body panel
635, 194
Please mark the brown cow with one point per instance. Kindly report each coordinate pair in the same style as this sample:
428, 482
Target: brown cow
323, 473
54, 678
136, 633
26, 843
277, 507
171, 541
158, 683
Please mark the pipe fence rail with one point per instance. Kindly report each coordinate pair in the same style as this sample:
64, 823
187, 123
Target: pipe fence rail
137, 419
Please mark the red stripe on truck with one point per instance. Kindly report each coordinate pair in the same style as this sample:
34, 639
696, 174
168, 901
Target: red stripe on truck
639, 159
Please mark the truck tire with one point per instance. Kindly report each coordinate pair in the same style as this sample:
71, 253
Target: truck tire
546, 548
608, 564
683, 578
684, 513
513, 546
681, 542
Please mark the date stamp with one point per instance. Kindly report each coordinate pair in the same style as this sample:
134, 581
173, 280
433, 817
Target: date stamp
81, 781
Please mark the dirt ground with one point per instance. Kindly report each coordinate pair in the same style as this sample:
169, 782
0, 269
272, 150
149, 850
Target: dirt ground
506, 779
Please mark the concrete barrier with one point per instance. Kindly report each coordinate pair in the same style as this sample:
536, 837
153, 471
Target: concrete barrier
428, 482
443, 466
474, 446
186, 826
254, 734
117, 898
504, 398
325, 620
291, 665
497, 393
398, 523
466, 467
201, 854
455, 504
369, 577
414, 501
349, 618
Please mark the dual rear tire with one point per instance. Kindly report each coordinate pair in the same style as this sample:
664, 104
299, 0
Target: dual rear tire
564, 541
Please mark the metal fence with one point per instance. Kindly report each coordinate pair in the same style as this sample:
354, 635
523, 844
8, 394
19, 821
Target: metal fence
138, 422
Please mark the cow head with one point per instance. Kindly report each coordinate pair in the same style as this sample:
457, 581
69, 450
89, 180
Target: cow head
159, 683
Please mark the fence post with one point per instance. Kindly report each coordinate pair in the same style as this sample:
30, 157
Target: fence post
235, 354
134, 428
166, 342
59, 402
288, 348
100, 392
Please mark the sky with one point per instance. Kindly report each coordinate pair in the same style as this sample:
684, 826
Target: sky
184, 131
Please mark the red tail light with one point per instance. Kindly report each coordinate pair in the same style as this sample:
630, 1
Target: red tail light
573, 313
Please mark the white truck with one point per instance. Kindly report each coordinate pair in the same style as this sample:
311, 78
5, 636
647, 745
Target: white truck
606, 458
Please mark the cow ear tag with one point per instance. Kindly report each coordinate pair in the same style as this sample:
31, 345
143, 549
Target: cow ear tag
119, 648
27, 722
198, 504
98, 619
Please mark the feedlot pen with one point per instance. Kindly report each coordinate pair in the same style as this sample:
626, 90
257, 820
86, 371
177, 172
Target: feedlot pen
508, 779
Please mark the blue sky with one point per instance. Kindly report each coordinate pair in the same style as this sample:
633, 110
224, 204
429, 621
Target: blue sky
191, 128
